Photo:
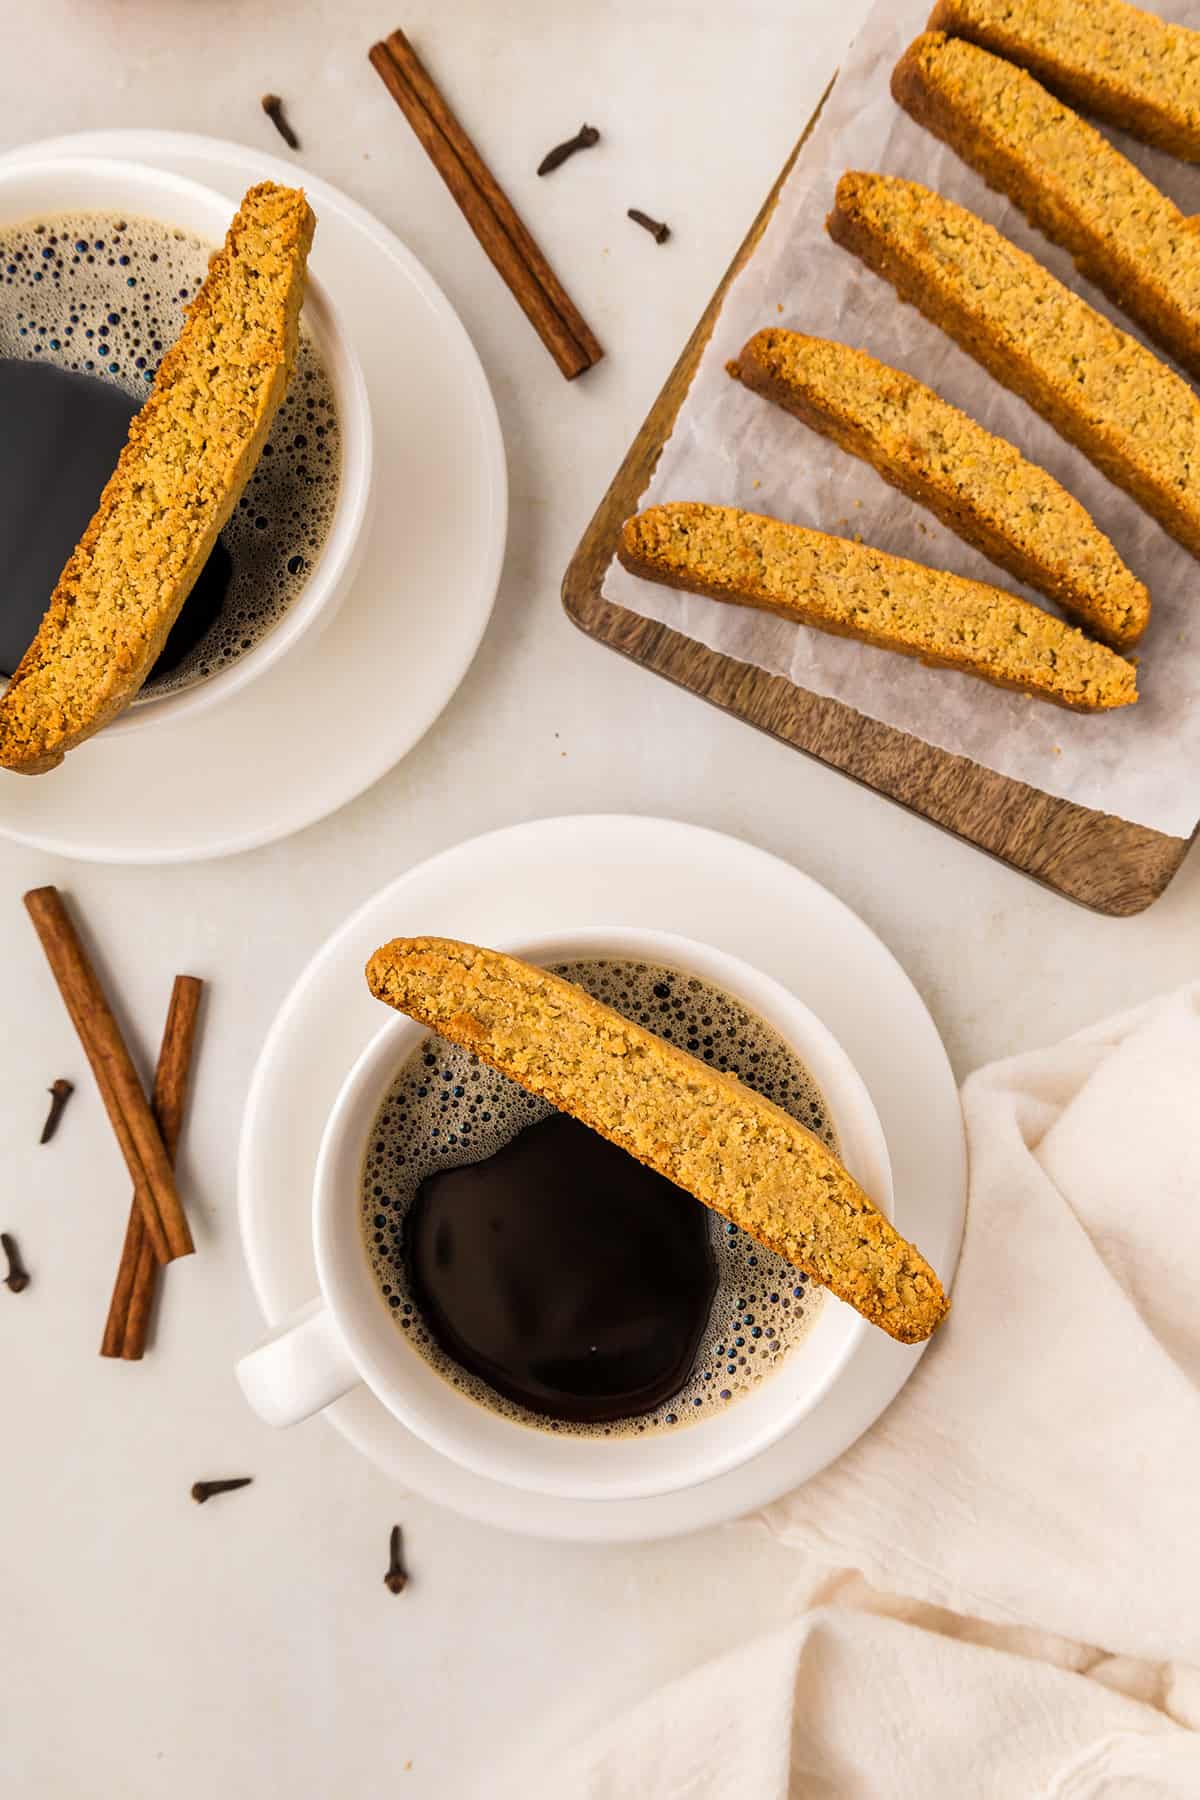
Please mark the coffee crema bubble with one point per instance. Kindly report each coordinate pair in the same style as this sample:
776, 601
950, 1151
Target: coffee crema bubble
104, 295
446, 1109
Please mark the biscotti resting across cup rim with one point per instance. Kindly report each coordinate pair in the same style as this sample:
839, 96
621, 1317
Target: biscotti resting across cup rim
801, 1382
34, 189
735, 1151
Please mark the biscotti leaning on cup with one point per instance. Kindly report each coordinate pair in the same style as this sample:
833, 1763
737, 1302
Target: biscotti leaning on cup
855, 591
191, 450
738, 1153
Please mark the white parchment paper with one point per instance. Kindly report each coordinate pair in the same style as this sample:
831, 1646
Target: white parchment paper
733, 448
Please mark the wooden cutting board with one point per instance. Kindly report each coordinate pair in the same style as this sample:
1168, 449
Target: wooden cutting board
1102, 862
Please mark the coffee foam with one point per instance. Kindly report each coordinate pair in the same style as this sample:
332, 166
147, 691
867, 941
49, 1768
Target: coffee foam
105, 295
446, 1108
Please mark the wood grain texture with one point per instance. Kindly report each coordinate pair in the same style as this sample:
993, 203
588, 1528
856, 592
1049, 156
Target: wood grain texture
1102, 862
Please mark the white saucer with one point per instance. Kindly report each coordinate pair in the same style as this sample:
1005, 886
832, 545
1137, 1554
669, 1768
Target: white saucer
313, 733
540, 878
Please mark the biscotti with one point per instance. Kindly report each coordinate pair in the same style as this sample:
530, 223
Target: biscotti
855, 591
1134, 417
1114, 60
977, 484
1124, 234
190, 452
738, 1153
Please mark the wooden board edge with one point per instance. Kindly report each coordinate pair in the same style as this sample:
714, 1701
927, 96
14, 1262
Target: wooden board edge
1134, 870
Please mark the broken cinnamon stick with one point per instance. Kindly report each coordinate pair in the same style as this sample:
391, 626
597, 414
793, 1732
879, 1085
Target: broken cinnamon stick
486, 207
126, 1104
137, 1272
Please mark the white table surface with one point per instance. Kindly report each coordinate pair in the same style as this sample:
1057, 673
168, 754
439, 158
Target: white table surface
152, 1648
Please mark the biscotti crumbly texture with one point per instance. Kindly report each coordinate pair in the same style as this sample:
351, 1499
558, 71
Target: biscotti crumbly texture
190, 452
1114, 60
1134, 417
740, 1154
1124, 234
855, 591
977, 484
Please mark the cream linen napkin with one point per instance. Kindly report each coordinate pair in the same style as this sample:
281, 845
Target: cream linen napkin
1027, 1512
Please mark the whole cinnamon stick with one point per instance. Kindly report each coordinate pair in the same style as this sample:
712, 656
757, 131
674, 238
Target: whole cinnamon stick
137, 1272
486, 207
126, 1104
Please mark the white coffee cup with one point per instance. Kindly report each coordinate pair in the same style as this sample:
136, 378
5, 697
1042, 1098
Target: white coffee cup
37, 190
348, 1334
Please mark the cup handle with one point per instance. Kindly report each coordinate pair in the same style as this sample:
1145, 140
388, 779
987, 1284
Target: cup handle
300, 1368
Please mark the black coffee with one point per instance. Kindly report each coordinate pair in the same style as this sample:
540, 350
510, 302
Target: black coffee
61, 433
100, 298
563, 1273
549, 1275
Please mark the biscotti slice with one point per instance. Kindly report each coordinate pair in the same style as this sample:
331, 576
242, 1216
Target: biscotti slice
1134, 417
190, 452
854, 591
1114, 60
738, 1153
1124, 234
977, 484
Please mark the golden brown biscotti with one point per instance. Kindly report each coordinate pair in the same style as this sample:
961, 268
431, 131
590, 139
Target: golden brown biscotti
1114, 60
978, 484
1124, 234
855, 591
740, 1154
1134, 417
190, 452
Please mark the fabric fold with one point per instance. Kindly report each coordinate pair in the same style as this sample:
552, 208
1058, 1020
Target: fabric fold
1042, 1465
1012, 1603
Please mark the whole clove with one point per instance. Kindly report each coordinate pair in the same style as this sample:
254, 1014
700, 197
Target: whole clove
658, 231
584, 138
272, 105
395, 1581
60, 1093
17, 1278
204, 1490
